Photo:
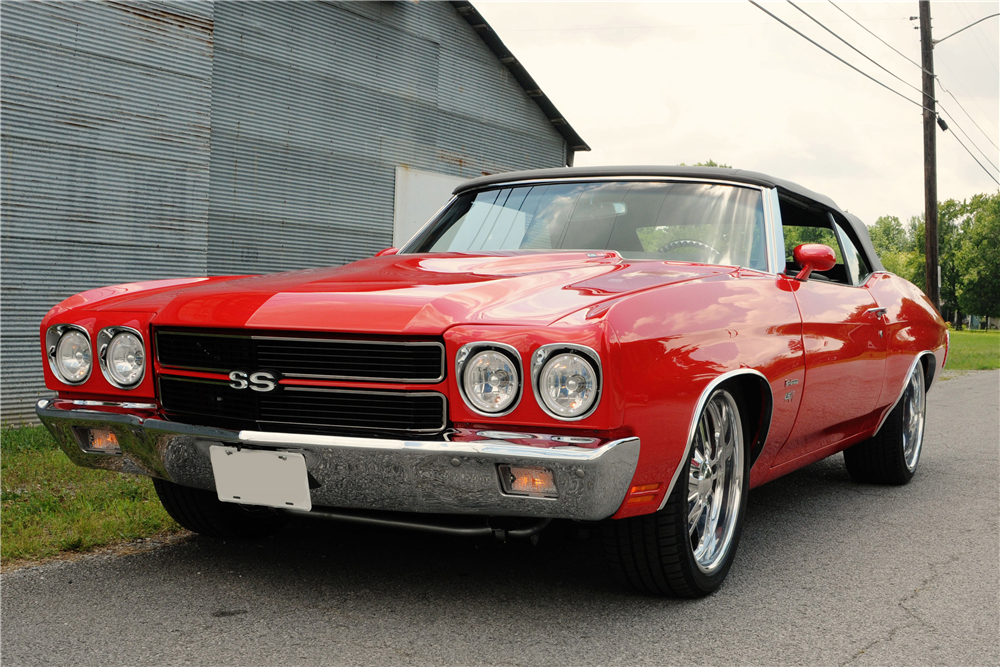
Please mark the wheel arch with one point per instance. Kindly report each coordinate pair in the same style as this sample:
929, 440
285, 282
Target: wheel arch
928, 363
759, 408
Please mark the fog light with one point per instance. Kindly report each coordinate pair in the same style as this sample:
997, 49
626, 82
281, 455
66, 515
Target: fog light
99, 441
532, 481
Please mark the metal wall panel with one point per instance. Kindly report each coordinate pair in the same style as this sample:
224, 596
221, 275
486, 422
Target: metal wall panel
151, 140
314, 105
105, 143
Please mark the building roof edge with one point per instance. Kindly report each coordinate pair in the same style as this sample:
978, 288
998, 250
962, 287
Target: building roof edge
467, 11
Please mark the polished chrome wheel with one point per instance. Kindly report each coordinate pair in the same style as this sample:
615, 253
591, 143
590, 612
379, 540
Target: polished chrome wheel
892, 454
914, 408
685, 549
715, 481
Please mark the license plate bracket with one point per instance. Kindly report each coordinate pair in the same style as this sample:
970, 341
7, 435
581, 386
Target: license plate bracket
261, 477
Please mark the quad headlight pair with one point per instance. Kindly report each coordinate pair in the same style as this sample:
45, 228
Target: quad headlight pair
566, 379
121, 354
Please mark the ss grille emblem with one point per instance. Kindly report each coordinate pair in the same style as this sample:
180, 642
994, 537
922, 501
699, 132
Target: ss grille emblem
259, 381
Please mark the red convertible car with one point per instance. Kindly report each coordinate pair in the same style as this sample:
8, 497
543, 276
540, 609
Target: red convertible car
636, 347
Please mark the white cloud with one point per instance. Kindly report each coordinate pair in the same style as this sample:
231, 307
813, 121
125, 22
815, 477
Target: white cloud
664, 83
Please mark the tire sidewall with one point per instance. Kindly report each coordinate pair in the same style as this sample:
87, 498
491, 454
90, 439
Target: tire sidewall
709, 582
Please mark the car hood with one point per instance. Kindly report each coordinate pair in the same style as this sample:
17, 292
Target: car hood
418, 294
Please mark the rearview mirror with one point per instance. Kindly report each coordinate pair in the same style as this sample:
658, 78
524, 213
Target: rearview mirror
387, 251
813, 257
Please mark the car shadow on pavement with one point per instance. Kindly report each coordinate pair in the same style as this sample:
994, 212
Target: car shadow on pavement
331, 556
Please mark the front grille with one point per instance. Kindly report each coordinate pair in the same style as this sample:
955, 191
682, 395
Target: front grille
302, 409
320, 358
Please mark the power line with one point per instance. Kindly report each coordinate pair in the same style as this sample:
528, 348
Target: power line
877, 37
976, 36
974, 158
955, 123
868, 76
907, 58
863, 55
969, 116
828, 51
958, 81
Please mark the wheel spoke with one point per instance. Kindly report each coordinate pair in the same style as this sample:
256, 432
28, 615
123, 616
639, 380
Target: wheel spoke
694, 515
720, 427
709, 541
697, 461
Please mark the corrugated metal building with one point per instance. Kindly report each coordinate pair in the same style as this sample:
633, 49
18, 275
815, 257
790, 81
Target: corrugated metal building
154, 140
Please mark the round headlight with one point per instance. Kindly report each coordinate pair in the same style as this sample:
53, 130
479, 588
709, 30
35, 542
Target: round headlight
73, 357
490, 381
125, 359
568, 385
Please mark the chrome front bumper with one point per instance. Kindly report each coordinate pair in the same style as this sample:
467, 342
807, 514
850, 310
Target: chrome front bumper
367, 473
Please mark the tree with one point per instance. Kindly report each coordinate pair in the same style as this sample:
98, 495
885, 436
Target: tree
895, 247
901, 249
978, 257
952, 216
709, 163
888, 235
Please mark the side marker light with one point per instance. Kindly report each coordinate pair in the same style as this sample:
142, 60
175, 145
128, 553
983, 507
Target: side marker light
642, 494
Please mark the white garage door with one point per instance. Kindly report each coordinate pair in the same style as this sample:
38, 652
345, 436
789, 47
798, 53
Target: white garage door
419, 195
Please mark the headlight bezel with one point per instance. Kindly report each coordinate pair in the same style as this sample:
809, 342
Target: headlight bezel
104, 338
53, 335
468, 351
541, 357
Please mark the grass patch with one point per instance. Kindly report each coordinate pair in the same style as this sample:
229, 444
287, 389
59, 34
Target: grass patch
974, 351
49, 505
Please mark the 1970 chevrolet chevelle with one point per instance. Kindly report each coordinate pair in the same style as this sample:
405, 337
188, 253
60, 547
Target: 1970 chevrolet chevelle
635, 346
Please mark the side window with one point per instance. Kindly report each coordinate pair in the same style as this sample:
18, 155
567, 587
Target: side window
796, 236
802, 223
857, 268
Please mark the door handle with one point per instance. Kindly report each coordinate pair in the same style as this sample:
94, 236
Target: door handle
878, 313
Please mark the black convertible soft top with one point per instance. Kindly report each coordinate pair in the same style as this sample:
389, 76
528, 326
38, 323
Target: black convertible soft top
858, 228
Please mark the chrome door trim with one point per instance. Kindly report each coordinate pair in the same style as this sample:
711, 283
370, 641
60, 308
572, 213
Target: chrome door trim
776, 234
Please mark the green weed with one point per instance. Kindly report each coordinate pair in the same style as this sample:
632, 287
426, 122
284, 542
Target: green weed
48, 505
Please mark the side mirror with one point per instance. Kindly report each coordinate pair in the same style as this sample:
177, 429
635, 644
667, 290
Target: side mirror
813, 257
387, 251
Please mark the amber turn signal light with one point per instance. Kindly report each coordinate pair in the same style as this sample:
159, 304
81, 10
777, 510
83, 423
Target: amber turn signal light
642, 494
98, 440
533, 481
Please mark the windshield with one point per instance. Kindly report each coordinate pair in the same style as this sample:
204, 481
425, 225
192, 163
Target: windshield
693, 222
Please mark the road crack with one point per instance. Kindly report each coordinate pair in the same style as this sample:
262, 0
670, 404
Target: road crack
916, 620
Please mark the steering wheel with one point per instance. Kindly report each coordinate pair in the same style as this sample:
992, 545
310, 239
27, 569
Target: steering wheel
686, 243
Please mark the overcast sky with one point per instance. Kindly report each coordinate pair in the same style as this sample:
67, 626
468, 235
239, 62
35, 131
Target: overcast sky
665, 83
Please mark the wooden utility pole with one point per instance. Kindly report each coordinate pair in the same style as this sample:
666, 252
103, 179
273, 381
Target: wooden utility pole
933, 288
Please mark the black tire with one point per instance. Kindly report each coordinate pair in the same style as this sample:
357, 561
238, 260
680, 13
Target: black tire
202, 512
654, 553
892, 455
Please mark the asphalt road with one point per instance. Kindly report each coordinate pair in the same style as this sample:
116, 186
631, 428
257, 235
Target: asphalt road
828, 573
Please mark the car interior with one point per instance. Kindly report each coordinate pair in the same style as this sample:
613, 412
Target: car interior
808, 222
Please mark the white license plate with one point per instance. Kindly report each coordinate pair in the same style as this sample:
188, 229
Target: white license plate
259, 477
